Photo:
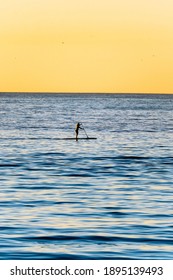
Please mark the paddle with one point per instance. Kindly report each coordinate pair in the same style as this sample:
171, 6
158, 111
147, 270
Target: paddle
84, 130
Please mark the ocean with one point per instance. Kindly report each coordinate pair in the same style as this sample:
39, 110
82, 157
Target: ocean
106, 198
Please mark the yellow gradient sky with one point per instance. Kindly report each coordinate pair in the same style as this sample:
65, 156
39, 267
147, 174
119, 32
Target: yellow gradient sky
86, 46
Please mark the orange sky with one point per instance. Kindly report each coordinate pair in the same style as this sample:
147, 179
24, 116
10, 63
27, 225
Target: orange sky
86, 46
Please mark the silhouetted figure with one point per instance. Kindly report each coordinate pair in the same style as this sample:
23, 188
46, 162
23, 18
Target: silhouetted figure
78, 126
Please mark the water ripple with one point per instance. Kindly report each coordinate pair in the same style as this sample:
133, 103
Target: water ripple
110, 198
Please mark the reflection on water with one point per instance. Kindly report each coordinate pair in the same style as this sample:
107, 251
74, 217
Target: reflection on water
110, 198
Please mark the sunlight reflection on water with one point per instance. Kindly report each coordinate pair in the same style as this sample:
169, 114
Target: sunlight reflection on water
106, 199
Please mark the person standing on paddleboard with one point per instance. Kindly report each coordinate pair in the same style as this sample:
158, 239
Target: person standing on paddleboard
78, 126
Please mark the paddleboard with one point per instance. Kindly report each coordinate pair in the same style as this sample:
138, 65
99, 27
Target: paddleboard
73, 138
65, 138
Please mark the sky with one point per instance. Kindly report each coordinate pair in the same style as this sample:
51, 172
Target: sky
86, 46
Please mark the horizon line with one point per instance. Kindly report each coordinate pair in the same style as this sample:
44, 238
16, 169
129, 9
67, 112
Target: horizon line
68, 92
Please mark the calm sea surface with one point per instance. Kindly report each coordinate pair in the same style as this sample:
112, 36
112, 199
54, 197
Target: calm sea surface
109, 198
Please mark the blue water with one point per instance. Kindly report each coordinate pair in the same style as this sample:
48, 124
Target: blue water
109, 198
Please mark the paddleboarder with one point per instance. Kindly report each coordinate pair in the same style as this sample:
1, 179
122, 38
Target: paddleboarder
78, 126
